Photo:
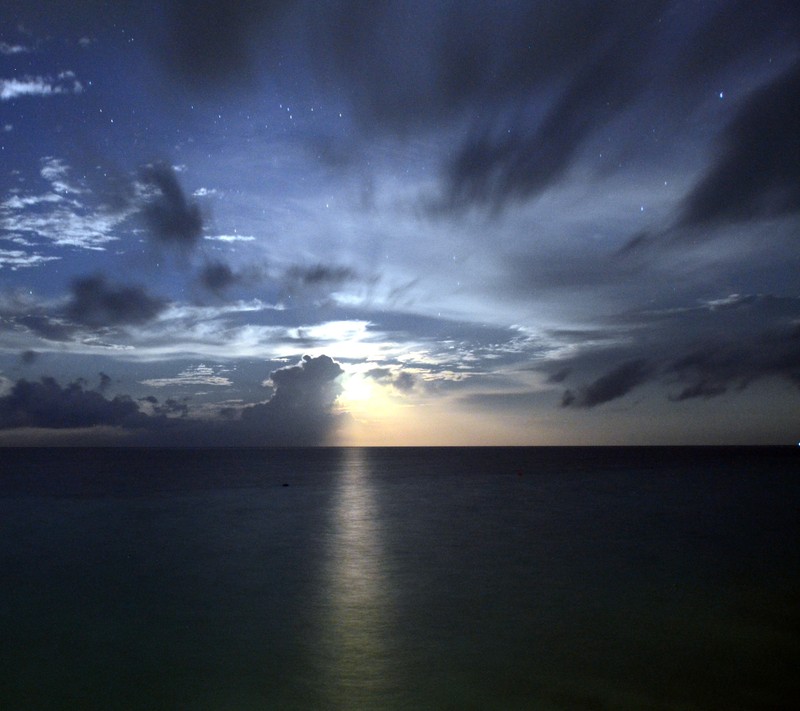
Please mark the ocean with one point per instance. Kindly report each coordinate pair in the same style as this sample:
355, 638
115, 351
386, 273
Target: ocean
404, 578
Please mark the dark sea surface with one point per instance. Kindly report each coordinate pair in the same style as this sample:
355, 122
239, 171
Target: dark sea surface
510, 578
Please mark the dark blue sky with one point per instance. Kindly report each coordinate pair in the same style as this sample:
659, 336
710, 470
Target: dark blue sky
399, 222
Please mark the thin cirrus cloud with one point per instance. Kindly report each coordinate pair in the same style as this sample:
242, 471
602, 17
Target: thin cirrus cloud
197, 375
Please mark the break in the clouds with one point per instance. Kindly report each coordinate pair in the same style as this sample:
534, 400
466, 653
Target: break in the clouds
518, 222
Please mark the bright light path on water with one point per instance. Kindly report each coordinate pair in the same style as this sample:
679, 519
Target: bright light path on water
358, 624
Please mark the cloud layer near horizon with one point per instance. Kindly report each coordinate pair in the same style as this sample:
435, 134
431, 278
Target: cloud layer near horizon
298, 413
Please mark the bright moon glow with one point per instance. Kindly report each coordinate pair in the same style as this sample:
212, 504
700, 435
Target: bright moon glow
356, 389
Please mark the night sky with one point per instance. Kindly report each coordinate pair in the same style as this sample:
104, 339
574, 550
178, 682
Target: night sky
411, 223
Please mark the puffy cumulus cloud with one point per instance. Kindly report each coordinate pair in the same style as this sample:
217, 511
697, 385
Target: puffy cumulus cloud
696, 352
45, 404
171, 217
171, 407
96, 303
300, 409
306, 386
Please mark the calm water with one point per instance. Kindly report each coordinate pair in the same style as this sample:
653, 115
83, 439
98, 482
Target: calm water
400, 579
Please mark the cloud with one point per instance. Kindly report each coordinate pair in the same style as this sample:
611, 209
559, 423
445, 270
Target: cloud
733, 30
298, 413
402, 380
17, 259
10, 49
96, 303
522, 88
105, 382
525, 91
307, 385
214, 44
60, 215
300, 410
47, 404
28, 357
614, 384
65, 83
172, 219
230, 238
48, 328
201, 374
170, 408
320, 275
757, 173
217, 276
56, 172
702, 351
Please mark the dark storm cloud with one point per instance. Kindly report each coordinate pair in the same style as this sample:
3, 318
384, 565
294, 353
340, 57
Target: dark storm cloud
610, 386
28, 357
758, 171
96, 303
47, 404
698, 352
172, 219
